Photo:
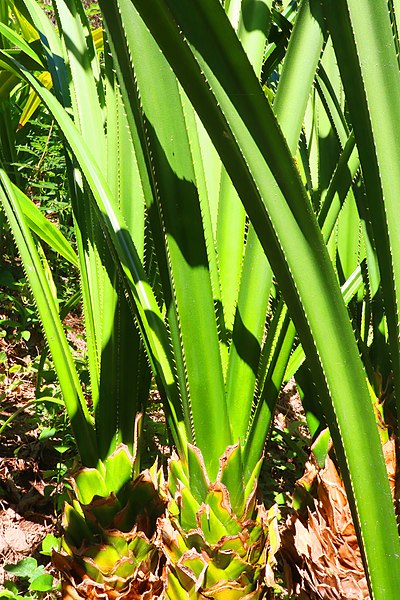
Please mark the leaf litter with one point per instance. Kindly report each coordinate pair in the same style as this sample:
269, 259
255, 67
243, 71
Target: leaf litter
320, 551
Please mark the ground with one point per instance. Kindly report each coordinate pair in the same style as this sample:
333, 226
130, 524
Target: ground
26, 515
33, 458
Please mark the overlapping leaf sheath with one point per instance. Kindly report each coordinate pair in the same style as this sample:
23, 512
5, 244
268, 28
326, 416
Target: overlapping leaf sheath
109, 549
211, 552
321, 554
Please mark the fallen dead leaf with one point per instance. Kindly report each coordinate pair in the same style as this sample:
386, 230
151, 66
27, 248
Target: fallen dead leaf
321, 556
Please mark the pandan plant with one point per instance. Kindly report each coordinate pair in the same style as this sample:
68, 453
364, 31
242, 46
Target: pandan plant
202, 320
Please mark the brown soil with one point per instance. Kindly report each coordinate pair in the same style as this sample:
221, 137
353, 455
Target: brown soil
28, 493
26, 514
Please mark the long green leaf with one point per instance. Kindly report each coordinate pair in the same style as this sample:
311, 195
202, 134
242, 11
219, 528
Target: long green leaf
148, 313
186, 254
375, 108
45, 229
48, 312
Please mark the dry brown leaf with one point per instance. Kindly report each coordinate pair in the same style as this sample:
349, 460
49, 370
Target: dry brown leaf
321, 556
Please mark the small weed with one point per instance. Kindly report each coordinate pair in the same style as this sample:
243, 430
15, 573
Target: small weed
31, 580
